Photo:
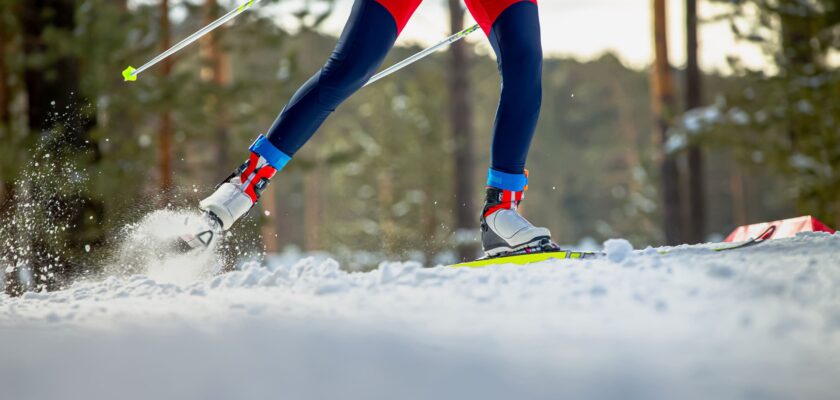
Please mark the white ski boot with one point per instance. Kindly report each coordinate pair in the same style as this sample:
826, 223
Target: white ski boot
242, 189
235, 196
504, 231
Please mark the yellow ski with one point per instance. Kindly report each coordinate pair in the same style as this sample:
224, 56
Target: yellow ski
523, 259
530, 258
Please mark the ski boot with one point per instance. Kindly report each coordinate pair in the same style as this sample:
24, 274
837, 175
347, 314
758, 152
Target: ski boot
505, 232
239, 192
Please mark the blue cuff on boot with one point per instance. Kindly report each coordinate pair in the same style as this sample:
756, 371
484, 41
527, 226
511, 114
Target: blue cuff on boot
275, 157
502, 180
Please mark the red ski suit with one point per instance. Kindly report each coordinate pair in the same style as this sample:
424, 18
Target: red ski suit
485, 12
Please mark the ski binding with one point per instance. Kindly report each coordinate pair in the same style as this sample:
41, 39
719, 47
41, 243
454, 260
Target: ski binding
201, 240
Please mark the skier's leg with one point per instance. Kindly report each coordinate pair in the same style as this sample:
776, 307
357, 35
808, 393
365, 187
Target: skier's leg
370, 33
513, 29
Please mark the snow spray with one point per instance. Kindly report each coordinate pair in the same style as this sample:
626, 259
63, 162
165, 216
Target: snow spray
146, 249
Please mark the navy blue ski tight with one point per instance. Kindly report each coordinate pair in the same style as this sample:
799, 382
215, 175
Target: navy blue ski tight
368, 36
514, 32
515, 37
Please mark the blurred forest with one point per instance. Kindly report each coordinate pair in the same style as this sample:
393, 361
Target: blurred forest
83, 153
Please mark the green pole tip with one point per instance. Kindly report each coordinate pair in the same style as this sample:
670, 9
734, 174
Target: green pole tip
245, 6
127, 74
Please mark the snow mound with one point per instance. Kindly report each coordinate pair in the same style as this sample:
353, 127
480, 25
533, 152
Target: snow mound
618, 250
761, 322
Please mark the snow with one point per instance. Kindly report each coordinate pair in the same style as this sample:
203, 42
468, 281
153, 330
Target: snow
618, 250
757, 323
697, 119
145, 249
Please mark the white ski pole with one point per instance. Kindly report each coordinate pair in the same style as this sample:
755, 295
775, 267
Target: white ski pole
130, 73
411, 60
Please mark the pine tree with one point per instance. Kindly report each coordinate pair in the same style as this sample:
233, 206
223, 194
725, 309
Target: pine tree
460, 115
166, 128
663, 109
787, 120
695, 229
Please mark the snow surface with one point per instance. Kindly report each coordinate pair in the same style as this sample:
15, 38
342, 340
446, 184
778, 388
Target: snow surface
759, 323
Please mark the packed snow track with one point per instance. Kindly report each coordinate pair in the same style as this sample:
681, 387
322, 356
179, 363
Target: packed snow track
757, 323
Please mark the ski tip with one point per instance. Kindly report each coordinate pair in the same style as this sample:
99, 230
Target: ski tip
129, 75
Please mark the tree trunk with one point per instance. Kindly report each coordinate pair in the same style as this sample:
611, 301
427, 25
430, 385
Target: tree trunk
462, 130
429, 222
5, 91
165, 144
663, 106
696, 227
216, 69
313, 181
5, 111
385, 196
629, 133
739, 202
270, 227
837, 214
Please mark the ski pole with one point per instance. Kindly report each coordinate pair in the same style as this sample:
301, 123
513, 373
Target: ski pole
411, 60
130, 73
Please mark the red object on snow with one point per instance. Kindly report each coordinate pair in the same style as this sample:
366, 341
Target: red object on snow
784, 228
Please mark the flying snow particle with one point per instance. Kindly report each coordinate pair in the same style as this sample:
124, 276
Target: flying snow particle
267, 213
87, 248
